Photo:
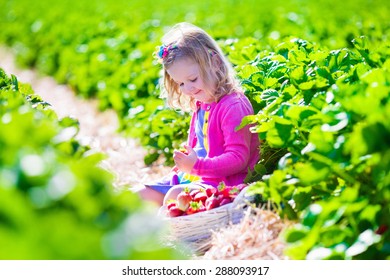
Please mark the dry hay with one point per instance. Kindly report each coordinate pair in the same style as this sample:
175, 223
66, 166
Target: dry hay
256, 237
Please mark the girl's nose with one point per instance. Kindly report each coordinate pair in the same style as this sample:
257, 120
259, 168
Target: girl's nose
188, 89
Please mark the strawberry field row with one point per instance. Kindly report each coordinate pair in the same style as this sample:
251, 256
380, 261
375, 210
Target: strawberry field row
108, 54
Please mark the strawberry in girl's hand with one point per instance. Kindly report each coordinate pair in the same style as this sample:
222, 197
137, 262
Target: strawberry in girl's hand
183, 200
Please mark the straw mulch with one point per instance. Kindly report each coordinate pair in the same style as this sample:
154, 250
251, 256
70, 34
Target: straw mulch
257, 236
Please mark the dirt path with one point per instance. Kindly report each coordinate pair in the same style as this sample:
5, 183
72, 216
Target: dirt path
97, 129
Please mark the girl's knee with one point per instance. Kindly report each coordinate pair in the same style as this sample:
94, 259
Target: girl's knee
151, 195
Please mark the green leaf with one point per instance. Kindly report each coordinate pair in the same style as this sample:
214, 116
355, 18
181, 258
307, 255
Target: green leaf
323, 141
269, 95
361, 43
151, 157
296, 234
260, 169
334, 215
310, 173
281, 134
302, 197
14, 82
297, 74
247, 70
370, 213
270, 82
367, 139
307, 85
311, 214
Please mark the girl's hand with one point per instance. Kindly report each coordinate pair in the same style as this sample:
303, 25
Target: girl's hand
185, 162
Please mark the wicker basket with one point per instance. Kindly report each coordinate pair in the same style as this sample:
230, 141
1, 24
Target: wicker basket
195, 230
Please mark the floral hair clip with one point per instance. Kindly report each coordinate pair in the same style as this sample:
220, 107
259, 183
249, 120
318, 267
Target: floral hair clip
164, 50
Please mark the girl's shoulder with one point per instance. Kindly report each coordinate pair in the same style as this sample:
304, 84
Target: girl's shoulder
234, 98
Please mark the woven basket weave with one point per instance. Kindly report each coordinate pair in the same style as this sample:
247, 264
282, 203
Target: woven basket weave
195, 230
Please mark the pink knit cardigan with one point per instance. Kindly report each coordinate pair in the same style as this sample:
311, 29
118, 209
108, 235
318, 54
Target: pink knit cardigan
231, 151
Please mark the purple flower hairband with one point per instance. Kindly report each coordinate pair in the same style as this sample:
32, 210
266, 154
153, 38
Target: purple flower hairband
164, 50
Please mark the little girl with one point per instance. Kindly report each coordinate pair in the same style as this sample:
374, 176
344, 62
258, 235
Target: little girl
199, 78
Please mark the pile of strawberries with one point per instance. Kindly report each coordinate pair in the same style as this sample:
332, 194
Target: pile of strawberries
191, 202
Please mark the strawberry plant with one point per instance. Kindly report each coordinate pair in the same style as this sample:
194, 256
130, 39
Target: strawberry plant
326, 110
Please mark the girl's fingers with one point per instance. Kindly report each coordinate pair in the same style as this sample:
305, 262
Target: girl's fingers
190, 150
178, 155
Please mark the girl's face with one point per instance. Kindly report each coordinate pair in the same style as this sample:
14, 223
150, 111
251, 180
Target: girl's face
186, 73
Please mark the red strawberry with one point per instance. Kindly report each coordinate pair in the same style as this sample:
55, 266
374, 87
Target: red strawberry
221, 187
174, 211
194, 192
171, 204
200, 196
212, 202
225, 201
233, 192
183, 200
211, 191
195, 207
224, 190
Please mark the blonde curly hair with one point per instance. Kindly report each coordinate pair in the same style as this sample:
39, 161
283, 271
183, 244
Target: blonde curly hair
187, 41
